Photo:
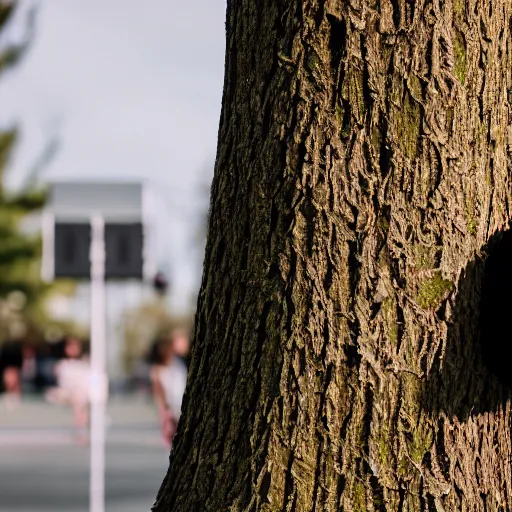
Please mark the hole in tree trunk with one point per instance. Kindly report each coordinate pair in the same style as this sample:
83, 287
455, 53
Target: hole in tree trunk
496, 311
472, 373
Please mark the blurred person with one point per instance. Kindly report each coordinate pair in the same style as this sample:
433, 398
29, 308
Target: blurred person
28, 368
168, 375
44, 377
72, 375
47, 355
11, 362
139, 380
181, 345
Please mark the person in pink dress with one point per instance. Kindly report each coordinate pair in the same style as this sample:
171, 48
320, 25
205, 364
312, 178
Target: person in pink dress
73, 373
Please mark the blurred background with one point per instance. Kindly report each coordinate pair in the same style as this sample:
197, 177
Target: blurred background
118, 95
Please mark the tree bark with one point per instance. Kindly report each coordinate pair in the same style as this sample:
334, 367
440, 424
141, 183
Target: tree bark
362, 175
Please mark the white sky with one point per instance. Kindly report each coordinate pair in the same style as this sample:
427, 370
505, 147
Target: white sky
132, 89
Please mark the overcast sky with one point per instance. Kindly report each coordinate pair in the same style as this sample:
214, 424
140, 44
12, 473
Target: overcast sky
132, 89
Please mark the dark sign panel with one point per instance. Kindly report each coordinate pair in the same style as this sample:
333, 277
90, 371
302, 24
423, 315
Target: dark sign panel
72, 243
123, 244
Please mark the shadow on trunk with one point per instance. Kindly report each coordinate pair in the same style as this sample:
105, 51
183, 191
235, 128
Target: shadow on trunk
474, 375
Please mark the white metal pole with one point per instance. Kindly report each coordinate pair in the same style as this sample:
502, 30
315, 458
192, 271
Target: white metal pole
99, 380
48, 256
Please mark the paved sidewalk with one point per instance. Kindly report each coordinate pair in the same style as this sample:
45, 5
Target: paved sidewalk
42, 469
34, 412
55, 478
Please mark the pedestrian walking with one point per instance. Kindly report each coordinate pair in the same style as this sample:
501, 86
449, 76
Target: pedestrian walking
73, 374
168, 376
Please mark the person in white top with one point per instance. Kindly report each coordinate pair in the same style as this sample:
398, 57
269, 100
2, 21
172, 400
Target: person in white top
72, 388
168, 376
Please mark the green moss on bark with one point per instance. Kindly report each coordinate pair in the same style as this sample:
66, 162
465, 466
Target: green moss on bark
433, 291
408, 121
460, 56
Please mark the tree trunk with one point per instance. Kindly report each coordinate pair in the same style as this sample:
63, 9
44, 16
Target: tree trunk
362, 176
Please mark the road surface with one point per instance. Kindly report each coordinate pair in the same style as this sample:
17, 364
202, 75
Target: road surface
43, 469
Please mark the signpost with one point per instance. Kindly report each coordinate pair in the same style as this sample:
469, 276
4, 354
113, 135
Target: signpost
96, 231
99, 378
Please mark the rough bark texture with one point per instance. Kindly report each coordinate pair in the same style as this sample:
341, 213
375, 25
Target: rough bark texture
363, 166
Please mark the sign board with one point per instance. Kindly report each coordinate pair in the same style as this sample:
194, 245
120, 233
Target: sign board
72, 242
67, 230
114, 201
123, 245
